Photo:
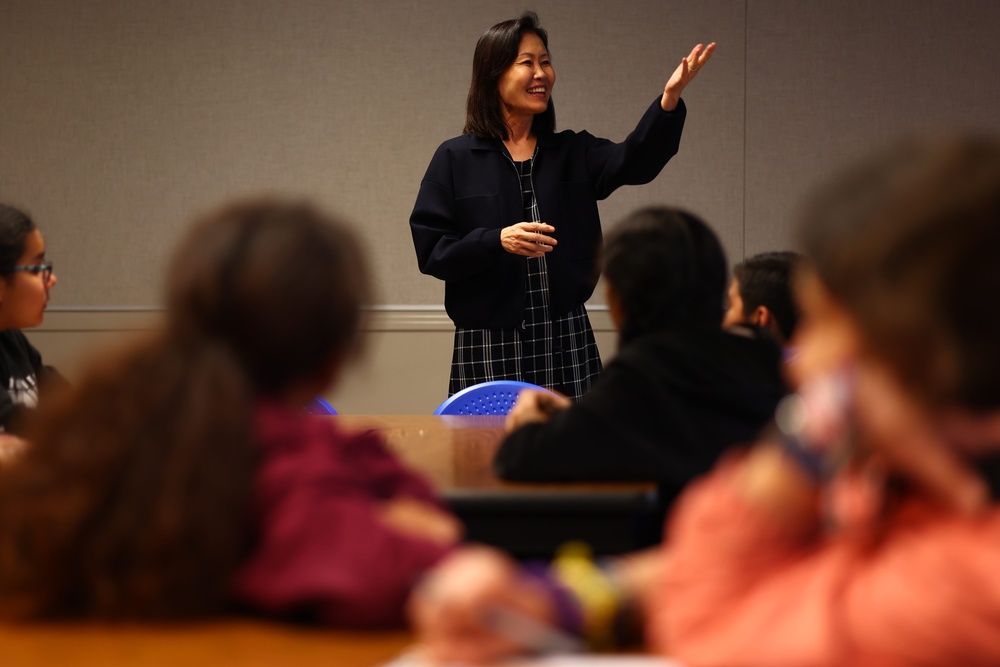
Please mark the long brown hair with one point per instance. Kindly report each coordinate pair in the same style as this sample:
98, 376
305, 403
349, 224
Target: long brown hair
133, 500
495, 52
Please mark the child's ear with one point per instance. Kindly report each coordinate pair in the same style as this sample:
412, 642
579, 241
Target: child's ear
615, 308
762, 317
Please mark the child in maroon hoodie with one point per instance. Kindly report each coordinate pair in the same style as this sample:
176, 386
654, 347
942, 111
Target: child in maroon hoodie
182, 478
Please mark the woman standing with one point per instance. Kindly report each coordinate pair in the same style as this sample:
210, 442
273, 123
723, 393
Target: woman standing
507, 213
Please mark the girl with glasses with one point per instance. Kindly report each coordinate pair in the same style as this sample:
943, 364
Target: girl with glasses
25, 280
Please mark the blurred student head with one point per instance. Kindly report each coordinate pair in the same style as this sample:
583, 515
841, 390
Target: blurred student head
133, 500
906, 242
25, 275
663, 267
901, 280
760, 294
279, 285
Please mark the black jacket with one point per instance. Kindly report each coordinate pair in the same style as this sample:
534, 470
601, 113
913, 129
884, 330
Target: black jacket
663, 410
471, 191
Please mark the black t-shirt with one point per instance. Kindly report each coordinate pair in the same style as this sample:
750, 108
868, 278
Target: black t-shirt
21, 370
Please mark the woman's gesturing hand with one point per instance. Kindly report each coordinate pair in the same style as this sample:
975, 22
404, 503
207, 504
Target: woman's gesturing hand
528, 239
684, 74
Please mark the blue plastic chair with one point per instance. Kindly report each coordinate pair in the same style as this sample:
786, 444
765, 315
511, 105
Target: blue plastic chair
487, 398
319, 406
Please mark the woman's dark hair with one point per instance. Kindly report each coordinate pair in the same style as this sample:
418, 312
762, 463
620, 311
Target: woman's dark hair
667, 268
495, 52
134, 499
907, 241
15, 225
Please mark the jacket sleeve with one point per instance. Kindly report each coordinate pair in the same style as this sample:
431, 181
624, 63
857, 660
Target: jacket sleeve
643, 154
321, 547
744, 589
618, 431
447, 249
331, 557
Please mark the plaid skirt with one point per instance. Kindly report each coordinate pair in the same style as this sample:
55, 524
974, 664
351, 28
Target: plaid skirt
557, 353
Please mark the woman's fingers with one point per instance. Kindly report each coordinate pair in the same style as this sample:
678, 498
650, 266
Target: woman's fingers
530, 239
537, 233
699, 55
684, 74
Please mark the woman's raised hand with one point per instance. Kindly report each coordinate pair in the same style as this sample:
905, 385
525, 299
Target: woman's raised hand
684, 74
528, 239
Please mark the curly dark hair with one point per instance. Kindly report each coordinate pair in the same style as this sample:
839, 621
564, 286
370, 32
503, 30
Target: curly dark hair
134, 499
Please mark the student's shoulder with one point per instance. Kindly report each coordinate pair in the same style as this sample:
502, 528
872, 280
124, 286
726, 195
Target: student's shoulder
15, 345
680, 341
754, 339
14, 337
705, 351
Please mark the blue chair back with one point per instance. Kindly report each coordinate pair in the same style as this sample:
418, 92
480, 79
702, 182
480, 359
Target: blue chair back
318, 406
487, 398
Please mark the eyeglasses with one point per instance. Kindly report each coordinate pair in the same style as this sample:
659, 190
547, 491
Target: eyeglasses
44, 270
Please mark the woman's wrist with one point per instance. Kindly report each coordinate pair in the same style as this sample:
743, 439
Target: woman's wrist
669, 101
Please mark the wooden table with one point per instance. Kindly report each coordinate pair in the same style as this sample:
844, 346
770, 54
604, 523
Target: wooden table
241, 643
526, 519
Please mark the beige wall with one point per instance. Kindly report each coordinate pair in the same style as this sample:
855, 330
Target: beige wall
120, 120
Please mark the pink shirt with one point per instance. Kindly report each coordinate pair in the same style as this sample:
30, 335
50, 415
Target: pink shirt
321, 548
919, 586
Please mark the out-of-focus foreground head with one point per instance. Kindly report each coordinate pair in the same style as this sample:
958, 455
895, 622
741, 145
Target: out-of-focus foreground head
279, 283
907, 242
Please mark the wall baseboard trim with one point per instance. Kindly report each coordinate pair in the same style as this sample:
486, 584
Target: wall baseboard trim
379, 318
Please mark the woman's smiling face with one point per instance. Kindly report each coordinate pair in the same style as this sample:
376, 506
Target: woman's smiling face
526, 86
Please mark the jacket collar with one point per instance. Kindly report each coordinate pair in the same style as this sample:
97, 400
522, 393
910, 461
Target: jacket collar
478, 143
